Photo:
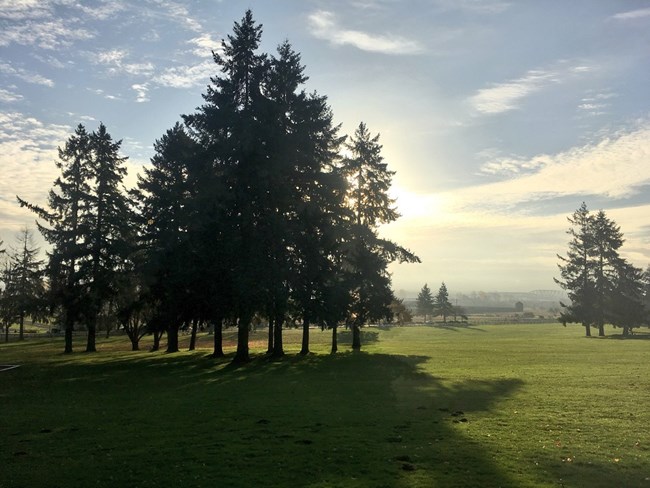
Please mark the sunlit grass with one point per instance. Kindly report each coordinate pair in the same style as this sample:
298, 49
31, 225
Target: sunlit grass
535, 405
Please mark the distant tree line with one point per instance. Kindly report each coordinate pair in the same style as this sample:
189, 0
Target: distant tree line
604, 288
440, 305
253, 206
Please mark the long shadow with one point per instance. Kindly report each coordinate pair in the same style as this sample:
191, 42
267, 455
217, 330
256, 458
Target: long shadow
354, 419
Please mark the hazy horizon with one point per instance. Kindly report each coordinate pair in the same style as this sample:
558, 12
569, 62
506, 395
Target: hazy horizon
500, 118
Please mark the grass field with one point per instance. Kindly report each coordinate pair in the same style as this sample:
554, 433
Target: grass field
488, 406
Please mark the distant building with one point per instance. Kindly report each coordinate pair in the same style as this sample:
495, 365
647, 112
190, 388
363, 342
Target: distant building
519, 307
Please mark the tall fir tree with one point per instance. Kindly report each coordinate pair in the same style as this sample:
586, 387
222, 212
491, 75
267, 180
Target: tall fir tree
368, 255
164, 200
442, 304
424, 302
109, 224
576, 271
64, 227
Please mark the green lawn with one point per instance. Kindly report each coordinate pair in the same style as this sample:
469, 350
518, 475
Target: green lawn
488, 406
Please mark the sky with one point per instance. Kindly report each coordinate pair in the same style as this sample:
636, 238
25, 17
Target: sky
499, 117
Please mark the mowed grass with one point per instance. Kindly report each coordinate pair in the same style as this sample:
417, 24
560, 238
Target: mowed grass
488, 406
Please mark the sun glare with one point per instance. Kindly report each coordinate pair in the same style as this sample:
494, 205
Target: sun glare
414, 205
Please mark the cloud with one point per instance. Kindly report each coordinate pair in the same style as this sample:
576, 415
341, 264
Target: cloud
205, 44
142, 92
24, 75
324, 26
48, 34
102, 93
632, 14
7, 97
27, 151
104, 11
115, 60
614, 167
507, 96
186, 76
506, 235
24, 9
179, 13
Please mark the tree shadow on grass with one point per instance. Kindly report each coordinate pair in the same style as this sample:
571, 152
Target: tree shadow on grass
353, 419
367, 336
637, 336
458, 326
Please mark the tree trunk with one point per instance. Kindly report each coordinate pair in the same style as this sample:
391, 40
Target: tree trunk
195, 327
305, 336
68, 336
335, 340
21, 329
269, 348
7, 332
218, 338
172, 338
587, 330
601, 330
278, 348
241, 355
156, 340
356, 337
135, 344
92, 333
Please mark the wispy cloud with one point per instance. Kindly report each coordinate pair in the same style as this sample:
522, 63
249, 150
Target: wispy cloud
115, 59
186, 76
178, 12
102, 93
507, 96
103, 11
324, 26
615, 166
510, 95
25, 75
47, 34
632, 14
7, 97
205, 44
142, 92
27, 149
595, 104
24, 9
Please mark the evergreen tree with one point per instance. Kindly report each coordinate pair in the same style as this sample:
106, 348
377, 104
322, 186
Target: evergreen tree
607, 240
65, 227
109, 224
442, 304
230, 128
164, 200
26, 284
602, 286
625, 307
424, 302
367, 255
576, 270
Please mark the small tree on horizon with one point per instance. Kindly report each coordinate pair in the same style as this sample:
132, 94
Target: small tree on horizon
443, 306
424, 302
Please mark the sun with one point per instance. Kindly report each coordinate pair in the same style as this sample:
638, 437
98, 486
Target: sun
416, 205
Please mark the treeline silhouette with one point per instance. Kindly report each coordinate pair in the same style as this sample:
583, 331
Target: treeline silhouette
253, 206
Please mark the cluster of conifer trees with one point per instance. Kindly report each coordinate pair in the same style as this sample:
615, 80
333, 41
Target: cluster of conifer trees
604, 287
248, 209
427, 304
